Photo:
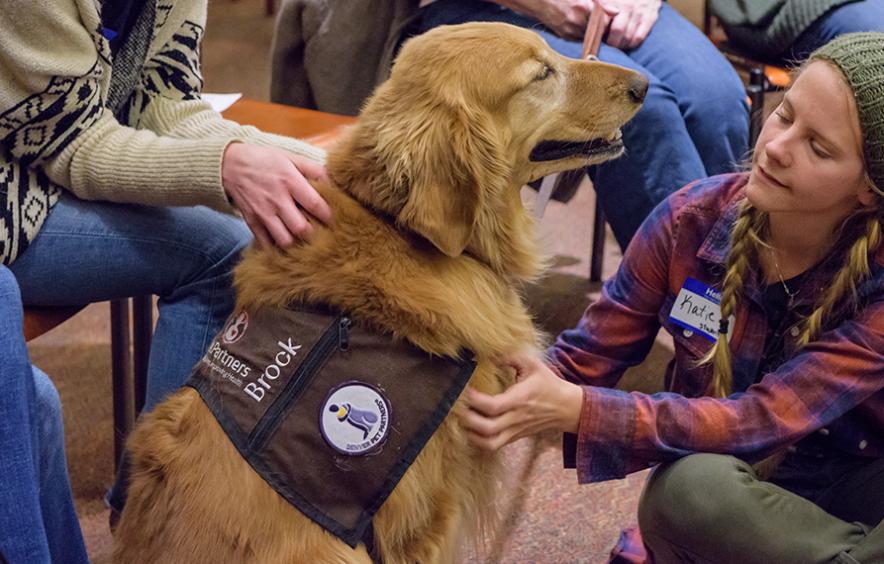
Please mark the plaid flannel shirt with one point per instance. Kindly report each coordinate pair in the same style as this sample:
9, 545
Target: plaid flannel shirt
834, 385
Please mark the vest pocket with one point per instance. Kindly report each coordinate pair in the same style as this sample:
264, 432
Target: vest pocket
334, 336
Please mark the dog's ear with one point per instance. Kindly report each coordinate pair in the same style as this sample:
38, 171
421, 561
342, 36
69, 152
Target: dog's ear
450, 161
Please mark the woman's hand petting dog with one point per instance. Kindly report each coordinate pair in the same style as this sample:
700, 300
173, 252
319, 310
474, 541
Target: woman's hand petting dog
269, 187
539, 401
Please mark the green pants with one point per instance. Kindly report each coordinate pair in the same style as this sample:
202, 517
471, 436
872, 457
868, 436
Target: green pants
710, 508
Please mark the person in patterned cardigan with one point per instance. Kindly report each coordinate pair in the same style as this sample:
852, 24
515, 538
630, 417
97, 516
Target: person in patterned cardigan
116, 180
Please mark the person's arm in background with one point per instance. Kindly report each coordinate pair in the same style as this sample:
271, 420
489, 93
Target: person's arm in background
618, 330
631, 20
618, 432
615, 332
52, 118
265, 175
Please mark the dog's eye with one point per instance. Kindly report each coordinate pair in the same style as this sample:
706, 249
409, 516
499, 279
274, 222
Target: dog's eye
545, 73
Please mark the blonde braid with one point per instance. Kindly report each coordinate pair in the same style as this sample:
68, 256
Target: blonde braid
747, 237
854, 271
744, 246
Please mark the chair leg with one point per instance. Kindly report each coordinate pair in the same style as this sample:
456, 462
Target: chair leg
129, 390
597, 253
596, 259
142, 332
122, 383
755, 90
707, 19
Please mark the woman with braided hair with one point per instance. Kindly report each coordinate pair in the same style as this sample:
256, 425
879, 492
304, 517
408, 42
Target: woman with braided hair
771, 283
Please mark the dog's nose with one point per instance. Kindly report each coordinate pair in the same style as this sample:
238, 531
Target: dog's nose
638, 88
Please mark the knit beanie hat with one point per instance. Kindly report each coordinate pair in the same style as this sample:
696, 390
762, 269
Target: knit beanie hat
860, 56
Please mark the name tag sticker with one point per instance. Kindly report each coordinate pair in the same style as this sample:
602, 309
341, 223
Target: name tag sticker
698, 308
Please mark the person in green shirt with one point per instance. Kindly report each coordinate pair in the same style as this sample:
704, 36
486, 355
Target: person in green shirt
789, 30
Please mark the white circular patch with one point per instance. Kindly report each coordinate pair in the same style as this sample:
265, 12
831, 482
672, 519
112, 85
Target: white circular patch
355, 418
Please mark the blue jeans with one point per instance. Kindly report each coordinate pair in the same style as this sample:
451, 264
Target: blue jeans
95, 251
38, 522
694, 122
866, 15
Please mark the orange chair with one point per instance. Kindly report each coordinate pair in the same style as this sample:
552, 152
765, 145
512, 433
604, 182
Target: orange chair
40, 320
128, 391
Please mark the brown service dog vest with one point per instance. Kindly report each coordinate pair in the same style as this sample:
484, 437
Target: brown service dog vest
329, 414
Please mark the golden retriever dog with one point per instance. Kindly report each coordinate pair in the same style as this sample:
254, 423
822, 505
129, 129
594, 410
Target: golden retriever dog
431, 244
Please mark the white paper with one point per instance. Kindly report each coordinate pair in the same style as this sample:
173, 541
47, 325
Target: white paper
221, 102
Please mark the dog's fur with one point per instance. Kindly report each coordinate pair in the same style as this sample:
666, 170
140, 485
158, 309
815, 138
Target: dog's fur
429, 242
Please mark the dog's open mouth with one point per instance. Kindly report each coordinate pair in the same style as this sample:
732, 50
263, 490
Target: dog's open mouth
556, 150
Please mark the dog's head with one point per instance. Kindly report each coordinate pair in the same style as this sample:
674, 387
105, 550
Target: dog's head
469, 114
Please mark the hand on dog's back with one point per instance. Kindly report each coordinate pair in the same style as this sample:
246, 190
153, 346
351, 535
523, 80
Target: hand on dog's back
269, 187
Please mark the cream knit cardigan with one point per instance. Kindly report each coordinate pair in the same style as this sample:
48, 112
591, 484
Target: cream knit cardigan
165, 146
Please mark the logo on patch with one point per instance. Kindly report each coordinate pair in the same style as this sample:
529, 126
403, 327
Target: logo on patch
355, 418
235, 328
